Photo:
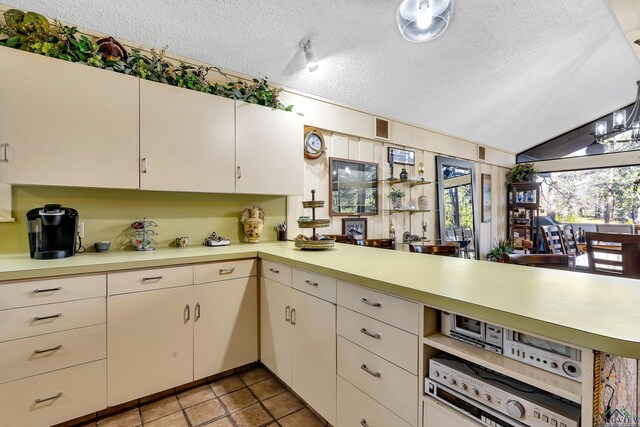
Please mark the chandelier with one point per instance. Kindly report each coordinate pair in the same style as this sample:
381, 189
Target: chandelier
620, 124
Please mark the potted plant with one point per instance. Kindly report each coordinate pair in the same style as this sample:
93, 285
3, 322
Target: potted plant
396, 198
522, 172
499, 248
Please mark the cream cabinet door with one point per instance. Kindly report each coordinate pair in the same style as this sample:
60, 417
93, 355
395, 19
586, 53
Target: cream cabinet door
314, 353
66, 124
186, 140
269, 150
149, 342
225, 326
275, 328
437, 415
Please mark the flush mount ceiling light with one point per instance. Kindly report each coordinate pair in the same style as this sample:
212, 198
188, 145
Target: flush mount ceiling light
305, 45
423, 20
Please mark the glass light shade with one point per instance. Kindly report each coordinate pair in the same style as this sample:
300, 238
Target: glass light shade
635, 130
594, 148
423, 20
601, 128
619, 119
312, 64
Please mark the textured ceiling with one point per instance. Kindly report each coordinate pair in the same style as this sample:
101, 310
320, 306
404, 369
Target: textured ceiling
506, 74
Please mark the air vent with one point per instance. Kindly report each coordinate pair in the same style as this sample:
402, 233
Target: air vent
481, 153
381, 128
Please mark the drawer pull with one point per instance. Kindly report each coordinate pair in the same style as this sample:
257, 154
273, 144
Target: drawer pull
53, 316
369, 371
148, 279
196, 312
5, 156
47, 350
287, 313
309, 282
227, 270
363, 423
293, 316
187, 313
49, 398
372, 304
274, 271
37, 291
372, 335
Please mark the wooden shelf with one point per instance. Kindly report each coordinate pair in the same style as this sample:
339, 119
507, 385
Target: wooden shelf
536, 377
411, 211
412, 182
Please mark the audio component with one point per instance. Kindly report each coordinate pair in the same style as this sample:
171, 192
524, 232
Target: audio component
472, 331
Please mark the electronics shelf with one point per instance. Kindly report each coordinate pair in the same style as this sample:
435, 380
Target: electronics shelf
563, 387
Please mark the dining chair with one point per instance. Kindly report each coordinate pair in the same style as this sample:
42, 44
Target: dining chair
569, 241
377, 243
444, 250
614, 254
340, 238
615, 228
553, 261
552, 239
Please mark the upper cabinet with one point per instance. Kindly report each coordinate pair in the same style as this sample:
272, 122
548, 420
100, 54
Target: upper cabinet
269, 151
66, 124
186, 140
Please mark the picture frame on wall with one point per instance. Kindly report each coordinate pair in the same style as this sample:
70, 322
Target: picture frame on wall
486, 197
401, 157
356, 227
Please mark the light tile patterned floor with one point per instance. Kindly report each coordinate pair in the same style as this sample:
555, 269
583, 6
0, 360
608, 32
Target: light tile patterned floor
250, 398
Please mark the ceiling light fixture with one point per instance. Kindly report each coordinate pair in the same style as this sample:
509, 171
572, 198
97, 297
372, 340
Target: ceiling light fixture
423, 20
305, 45
620, 124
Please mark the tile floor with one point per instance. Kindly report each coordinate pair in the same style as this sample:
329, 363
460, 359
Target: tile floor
249, 398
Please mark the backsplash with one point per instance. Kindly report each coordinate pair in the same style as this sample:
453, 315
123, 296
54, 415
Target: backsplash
108, 213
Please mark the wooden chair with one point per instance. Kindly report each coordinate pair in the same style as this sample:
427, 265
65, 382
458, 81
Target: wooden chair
377, 243
569, 241
444, 250
614, 254
553, 261
552, 239
341, 238
615, 228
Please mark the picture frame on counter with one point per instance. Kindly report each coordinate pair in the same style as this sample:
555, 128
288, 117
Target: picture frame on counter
356, 227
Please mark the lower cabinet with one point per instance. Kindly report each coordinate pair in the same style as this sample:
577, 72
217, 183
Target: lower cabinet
298, 343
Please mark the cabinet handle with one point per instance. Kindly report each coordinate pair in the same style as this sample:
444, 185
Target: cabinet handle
5, 153
37, 291
49, 398
227, 270
196, 312
53, 316
372, 304
47, 350
145, 168
187, 310
148, 279
372, 335
287, 313
369, 371
293, 316
274, 271
309, 282
239, 172
363, 423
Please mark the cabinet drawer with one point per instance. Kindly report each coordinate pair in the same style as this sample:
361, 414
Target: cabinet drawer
205, 273
279, 272
356, 409
44, 353
34, 292
390, 385
393, 344
81, 389
315, 284
44, 319
436, 414
144, 280
394, 311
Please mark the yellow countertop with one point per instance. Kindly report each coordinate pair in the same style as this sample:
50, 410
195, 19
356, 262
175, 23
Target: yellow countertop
586, 310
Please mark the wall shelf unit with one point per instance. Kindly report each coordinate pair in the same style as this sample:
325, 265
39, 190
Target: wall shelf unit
523, 209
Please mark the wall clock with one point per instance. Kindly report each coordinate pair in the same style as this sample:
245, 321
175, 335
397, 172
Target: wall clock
313, 143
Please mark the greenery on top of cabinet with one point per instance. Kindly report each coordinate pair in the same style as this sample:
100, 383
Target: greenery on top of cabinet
32, 32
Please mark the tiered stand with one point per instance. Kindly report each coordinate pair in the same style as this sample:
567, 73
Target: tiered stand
314, 242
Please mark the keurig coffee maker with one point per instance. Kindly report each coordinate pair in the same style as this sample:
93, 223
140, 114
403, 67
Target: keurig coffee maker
52, 232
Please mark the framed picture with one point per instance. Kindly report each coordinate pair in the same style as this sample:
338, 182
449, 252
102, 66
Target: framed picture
402, 157
356, 227
486, 197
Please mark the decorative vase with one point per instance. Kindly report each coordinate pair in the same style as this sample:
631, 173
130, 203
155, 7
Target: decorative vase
397, 203
253, 221
423, 203
404, 175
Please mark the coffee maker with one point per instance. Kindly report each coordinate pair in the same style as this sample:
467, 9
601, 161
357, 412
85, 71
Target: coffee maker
52, 232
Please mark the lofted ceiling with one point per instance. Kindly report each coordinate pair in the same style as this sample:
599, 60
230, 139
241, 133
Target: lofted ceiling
506, 74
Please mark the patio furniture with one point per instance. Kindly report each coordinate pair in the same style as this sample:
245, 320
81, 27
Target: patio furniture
554, 261
615, 228
614, 254
444, 250
552, 239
